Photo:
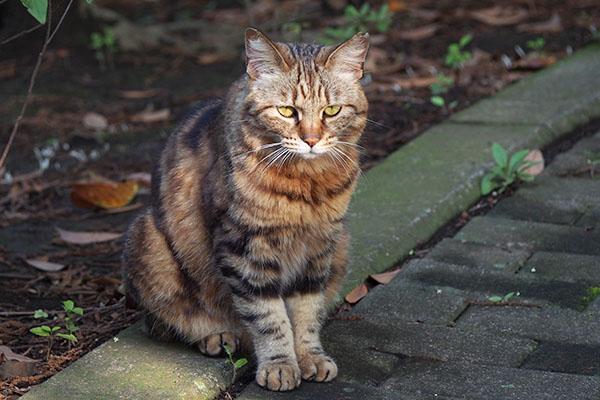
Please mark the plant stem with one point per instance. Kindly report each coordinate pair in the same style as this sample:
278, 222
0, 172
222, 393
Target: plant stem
49, 36
49, 347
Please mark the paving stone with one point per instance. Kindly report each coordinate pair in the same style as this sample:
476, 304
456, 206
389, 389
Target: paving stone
565, 267
574, 159
136, 367
334, 390
511, 233
466, 381
565, 357
477, 255
542, 324
408, 339
591, 217
402, 301
481, 284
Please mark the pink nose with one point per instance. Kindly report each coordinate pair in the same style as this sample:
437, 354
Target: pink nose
311, 141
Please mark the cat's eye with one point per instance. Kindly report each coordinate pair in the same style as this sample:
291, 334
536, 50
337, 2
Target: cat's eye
330, 111
286, 111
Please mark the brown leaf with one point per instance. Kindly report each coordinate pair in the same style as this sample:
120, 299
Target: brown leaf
142, 177
95, 121
534, 63
148, 116
536, 156
552, 25
138, 94
12, 364
86, 237
500, 15
105, 195
422, 32
357, 293
385, 277
396, 5
44, 265
411, 83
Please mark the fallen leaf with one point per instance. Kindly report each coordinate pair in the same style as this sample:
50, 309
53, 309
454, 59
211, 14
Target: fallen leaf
500, 15
86, 237
127, 208
535, 156
138, 94
12, 364
142, 177
552, 25
105, 195
44, 265
357, 294
385, 277
422, 32
534, 63
396, 5
410, 83
95, 121
149, 116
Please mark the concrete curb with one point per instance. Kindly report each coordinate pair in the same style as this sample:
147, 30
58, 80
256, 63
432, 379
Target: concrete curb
399, 204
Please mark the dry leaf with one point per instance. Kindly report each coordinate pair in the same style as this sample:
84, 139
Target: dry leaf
408, 83
44, 265
103, 194
357, 294
500, 15
417, 33
534, 63
385, 277
12, 364
396, 5
536, 156
138, 94
149, 116
142, 177
95, 121
552, 25
86, 237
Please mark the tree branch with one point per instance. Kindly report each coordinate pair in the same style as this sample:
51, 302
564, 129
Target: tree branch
18, 35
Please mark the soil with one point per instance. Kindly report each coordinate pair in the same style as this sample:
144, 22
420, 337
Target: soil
142, 92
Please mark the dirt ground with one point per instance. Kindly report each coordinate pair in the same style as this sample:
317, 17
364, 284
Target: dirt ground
94, 118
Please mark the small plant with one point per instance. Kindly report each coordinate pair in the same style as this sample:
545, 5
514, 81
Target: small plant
536, 47
104, 46
438, 101
359, 20
71, 312
456, 56
506, 172
236, 364
443, 84
497, 299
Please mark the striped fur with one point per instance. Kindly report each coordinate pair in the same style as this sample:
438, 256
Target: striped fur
245, 241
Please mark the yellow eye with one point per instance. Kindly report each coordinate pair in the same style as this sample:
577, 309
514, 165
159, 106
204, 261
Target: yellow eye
286, 111
330, 111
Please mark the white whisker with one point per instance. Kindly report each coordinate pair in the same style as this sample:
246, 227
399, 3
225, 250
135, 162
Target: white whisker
278, 151
264, 146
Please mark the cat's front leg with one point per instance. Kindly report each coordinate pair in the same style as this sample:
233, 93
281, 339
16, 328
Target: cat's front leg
307, 311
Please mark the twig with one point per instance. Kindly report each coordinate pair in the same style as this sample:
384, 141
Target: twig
49, 35
18, 35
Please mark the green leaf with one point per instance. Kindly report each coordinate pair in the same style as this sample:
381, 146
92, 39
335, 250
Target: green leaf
78, 310
227, 349
499, 154
89, 1
40, 314
487, 184
38, 330
351, 12
55, 328
495, 299
508, 296
516, 160
37, 8
67, 336
438, 101
68, 305
240, 363
526, 177
464, 40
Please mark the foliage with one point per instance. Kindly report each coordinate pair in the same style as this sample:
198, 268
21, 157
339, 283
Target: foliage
359, 20
456, 56
506, 171
104, 46
236, 364
506, 297
39, 9
536, 44
71, 312
443, 84
438, 101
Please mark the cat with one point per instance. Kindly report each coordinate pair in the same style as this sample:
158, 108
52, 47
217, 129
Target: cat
244, 241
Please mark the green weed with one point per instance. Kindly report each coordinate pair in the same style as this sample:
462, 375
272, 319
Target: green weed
71, 312
359, 20
506, 171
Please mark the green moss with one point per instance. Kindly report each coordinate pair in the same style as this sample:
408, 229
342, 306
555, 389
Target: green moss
590, 296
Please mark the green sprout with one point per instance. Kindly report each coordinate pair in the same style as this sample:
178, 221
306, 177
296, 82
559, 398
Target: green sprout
456, 56
506, 171
359, 20
536, 47
104, 46
236, 364
51, 333
498, 299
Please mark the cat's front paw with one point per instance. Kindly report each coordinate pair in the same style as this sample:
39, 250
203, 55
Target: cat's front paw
318, 367
279, 375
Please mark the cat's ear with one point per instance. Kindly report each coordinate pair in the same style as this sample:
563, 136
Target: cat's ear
262, 55
349, 57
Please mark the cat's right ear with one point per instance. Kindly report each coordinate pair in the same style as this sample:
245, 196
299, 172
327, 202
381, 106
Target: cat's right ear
262, 55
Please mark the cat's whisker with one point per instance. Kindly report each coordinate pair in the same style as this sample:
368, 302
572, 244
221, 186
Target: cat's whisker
284, 159
350, 144
274, 159
273, 154
378, 124
264, 146
342, 162
330, 154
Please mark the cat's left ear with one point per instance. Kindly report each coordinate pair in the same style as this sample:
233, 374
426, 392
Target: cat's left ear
262, 54
349, 57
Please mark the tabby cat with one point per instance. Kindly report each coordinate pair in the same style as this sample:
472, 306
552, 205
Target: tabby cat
244, 242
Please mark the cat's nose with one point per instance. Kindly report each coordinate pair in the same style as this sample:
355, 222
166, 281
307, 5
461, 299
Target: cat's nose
311, 141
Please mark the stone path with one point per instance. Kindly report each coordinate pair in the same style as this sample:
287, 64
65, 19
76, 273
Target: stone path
431, 332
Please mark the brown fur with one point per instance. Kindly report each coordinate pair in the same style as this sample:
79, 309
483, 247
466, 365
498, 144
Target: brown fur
244, 242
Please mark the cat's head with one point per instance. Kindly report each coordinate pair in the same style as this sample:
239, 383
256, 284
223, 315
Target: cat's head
307, 97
